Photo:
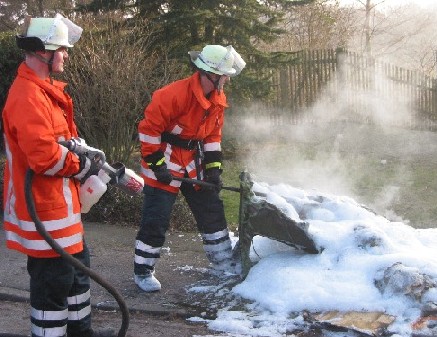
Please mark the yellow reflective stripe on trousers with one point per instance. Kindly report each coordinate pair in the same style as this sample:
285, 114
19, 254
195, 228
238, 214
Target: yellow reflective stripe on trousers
215, 164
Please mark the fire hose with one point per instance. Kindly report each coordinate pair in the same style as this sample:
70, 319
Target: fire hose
73, 261
121, 178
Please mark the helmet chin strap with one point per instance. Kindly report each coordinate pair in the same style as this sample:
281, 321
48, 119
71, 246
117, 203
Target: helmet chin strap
215, 83
49, 62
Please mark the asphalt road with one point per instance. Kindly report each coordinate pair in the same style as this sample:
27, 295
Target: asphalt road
14, 320
164, 313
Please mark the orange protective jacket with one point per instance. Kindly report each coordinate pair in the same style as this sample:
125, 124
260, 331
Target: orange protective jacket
37, 115
182, 109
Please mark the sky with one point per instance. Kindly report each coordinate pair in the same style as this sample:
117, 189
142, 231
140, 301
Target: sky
359, 249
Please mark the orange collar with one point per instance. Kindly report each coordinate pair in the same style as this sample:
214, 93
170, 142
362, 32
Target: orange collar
214, 99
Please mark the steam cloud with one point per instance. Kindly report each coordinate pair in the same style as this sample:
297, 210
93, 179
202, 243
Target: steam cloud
354, 142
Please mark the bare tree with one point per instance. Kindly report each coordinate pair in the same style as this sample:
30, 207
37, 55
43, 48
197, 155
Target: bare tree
404, 35
12, 12
321, 24
369, 9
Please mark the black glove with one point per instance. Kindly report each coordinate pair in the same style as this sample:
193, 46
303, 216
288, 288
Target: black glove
163, 174
156, 162
213, 176
87, 168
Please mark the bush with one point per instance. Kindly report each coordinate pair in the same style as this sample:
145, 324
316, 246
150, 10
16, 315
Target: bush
112, 75
10, 59
117, 207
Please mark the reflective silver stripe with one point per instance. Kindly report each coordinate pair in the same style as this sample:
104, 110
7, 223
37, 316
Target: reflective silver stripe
191, 166
10, 199
78, 315
84, 170
218, 252
78, 299
68, 196
10, 215
42, 244
149, 174
216, 235
222, 62
218, 257
60, 164
216, 146
146, 248
149, 139
50, 224
218, 247
173, 166
45, 315
51, 32
168, 151
150, 261
176, 130
49, 332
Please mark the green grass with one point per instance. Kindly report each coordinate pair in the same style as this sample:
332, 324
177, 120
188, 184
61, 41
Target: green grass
231, 200
401, 189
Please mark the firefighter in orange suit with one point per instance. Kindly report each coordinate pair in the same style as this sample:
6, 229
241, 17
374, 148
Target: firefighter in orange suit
37, 115
180, 136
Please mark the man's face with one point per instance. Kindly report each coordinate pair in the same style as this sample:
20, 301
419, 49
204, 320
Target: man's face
212, 80
59, 57
222, 81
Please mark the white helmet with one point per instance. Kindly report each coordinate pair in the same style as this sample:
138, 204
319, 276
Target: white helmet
218, 60
52, 32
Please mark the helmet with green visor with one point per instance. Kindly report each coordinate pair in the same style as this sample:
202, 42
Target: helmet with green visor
48, 34
219, 60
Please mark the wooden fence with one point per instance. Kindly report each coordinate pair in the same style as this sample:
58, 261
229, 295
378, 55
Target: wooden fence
353, 87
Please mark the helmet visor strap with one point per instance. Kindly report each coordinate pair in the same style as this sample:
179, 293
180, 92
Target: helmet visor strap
216, 83
49, 62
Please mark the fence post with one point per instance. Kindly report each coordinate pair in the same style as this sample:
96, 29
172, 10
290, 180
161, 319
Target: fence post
299, 83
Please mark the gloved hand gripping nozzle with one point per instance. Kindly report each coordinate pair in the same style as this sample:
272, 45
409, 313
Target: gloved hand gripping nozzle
79, 146
120, 176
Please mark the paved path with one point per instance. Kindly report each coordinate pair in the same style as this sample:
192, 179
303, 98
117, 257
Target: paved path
183, 265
